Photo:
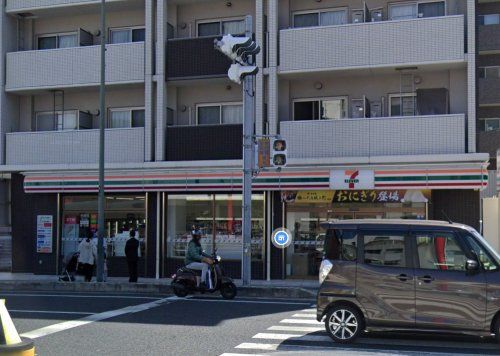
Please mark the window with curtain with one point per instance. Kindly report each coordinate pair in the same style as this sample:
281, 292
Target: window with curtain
431, 9
232, 114
209, 115
126, 118
404, 105
491, 124
234, 27
403, 11
489, 19
320, 109
58, 41
320, 18
126, 35
330, 18
57, 121
217, 28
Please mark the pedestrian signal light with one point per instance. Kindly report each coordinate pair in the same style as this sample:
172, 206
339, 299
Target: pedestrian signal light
279, 153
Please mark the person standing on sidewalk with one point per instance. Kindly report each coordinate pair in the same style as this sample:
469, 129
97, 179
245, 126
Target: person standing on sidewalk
132, 254
87, 256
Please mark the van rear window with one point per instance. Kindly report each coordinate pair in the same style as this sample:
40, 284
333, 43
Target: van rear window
341, 244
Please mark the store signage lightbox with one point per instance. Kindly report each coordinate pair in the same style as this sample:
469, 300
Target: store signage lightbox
352, 179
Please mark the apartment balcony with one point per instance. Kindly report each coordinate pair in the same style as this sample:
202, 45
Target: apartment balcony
374, 44
74, 67
199, 143
74, 147
19, 6
415, 135
194, 58
489, 91
489, 38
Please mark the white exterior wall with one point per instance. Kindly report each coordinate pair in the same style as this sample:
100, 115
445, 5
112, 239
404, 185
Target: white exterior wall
24, 5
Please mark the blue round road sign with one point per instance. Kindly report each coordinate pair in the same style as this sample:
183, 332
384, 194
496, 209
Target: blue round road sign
282, 238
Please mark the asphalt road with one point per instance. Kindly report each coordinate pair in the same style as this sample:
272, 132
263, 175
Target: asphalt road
90, 324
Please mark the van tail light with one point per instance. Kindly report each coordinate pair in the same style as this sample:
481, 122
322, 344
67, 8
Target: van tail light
324, 270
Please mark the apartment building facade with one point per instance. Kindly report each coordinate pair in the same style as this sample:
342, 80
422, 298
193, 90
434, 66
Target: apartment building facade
488, 114
377, 101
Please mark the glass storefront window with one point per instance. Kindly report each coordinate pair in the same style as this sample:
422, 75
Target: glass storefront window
305, 211
220, 213
122, 213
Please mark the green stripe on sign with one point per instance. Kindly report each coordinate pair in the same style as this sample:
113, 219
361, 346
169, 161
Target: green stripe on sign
429, 178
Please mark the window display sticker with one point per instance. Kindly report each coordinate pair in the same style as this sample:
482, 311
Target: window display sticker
44, 228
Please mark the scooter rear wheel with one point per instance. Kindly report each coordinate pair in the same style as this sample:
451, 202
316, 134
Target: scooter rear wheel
180, 292
228, 290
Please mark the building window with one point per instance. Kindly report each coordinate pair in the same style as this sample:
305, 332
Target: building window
127, 35
221, 27
491, 72
63, 40
220, 213
122, 213
403, 104
217, 114
489, 19
126, 118
328, 17
385, 248
63, 120
490, 124
320, 109
416, 10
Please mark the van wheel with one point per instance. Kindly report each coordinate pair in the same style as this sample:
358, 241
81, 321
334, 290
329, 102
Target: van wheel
343, 323
497, 330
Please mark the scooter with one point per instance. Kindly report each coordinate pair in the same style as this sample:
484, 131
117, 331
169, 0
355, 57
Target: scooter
184, 281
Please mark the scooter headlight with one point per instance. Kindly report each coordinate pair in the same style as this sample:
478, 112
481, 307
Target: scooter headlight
324, 270
218, 258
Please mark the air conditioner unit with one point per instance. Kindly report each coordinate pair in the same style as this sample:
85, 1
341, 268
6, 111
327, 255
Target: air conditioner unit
358, 16
376, 109
377, 15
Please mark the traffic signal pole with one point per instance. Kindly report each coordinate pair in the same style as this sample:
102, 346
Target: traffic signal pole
248, 162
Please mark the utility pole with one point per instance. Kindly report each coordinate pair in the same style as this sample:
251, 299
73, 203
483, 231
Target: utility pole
242, 50
102, 122
248, 162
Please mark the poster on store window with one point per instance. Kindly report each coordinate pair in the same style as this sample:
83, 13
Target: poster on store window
44, 227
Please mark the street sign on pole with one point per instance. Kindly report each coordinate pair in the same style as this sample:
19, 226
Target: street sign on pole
102, 118
248, 153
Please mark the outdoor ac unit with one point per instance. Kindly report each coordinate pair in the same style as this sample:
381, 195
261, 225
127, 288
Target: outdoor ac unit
358, 16
376, 109
377, 15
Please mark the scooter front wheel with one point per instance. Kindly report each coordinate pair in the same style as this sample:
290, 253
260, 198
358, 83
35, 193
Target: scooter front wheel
179, 291
228, 290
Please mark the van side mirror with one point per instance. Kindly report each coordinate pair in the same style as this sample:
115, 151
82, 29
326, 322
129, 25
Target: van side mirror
471, 265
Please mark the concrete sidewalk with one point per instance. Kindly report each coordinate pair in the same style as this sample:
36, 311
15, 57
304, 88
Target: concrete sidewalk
300, 289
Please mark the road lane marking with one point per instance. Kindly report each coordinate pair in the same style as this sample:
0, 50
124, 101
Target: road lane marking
49, 312
293, 337
55, 328
244, 301
78, 296
301, 321
306, 329
256, 346
301, 315
236, 354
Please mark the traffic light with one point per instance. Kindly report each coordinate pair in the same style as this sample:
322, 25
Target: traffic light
239, 50
279, 151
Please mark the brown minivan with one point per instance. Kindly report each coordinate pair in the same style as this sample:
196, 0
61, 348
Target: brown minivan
407, 275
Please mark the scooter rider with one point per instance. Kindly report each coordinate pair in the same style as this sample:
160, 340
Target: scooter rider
196, 259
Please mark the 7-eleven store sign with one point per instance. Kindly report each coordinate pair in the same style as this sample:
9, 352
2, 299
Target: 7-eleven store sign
352, 179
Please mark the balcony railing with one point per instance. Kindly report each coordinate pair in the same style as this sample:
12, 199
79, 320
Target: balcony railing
195, 58
415, 135
30, 5
73, 67
489, 90
374, 44
74, 147
489, 38
209, 142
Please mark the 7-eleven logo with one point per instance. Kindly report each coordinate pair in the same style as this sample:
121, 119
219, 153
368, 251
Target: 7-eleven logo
352, 179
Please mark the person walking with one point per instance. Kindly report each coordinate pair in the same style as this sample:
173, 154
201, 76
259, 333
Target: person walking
87, 256
132, 254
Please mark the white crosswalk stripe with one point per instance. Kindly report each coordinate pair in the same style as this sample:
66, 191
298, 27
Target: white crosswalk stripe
302, 333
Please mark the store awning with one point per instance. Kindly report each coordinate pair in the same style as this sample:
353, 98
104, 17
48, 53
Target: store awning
465, 176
